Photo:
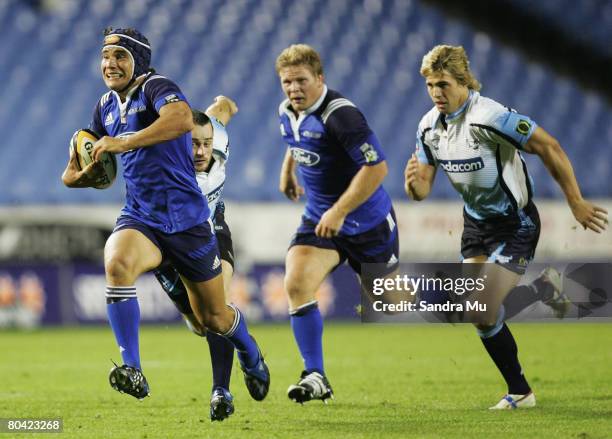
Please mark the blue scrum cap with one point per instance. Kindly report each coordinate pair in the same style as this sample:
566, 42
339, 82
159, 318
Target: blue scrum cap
136, 45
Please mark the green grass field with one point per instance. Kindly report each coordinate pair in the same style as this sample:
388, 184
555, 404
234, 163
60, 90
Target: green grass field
420, 381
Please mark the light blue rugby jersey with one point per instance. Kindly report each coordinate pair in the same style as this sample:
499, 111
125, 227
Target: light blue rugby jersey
212, 182
480, 153
161, 186
330, 142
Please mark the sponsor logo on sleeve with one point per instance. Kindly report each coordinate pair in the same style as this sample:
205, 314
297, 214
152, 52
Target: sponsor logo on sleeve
523, 126
171, 98
369, 153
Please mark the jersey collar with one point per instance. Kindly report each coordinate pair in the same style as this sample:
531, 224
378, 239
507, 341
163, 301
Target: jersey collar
137, 83
314, 107
455, 115
210, 166
123, 105
285, 106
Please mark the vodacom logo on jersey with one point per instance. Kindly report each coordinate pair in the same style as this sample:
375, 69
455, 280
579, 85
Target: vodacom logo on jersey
468, 165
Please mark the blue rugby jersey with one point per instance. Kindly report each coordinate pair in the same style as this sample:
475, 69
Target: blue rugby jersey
479, 149
161, 186
330, 142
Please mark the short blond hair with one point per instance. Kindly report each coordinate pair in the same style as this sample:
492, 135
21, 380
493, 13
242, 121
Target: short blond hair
300, 54
453, 60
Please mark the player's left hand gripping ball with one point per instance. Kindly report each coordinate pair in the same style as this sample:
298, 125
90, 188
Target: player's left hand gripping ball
83, 143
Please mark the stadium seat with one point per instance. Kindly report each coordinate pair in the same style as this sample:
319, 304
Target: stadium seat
50, 59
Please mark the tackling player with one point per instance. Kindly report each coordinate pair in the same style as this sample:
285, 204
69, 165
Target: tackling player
146, 118
210, 151
348, 214
478, 143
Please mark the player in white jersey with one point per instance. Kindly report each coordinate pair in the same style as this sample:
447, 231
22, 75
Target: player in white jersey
210, 152
478, 143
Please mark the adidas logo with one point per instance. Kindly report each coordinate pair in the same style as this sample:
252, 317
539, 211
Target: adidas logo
392, 260
109, 119
216, 263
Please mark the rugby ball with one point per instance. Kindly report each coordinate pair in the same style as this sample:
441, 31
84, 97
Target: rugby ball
82, 144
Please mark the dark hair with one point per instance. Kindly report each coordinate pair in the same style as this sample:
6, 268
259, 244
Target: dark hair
199, 117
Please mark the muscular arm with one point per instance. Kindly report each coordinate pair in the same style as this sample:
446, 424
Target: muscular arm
554, 158
174, 120
288, 184
222, 109
362, 186
418, 179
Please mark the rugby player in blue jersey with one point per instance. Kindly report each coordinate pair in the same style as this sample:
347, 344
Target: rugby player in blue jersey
146, 119
348, 214
478, 143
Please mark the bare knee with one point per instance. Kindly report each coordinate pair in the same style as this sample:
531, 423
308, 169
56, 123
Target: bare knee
297, 290
119, 271
219, 322
293, 285
484, 322
194, 325
485, 326
198, 330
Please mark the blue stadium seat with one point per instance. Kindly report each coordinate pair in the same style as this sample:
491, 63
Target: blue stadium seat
371, 51
587, 20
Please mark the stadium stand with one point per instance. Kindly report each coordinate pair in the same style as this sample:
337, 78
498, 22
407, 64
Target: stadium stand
49, 65
589, 21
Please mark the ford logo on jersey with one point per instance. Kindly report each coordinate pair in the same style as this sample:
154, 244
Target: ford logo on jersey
469, 165
304, 157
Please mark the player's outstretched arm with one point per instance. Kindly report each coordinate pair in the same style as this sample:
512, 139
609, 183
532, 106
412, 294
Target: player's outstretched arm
73, 177
222, 109
362, 186
174, 120
418, 179
556, 161
289, 184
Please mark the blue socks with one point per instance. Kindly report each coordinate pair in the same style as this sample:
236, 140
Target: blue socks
238, 334
307, 325
124, 317
222, 356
